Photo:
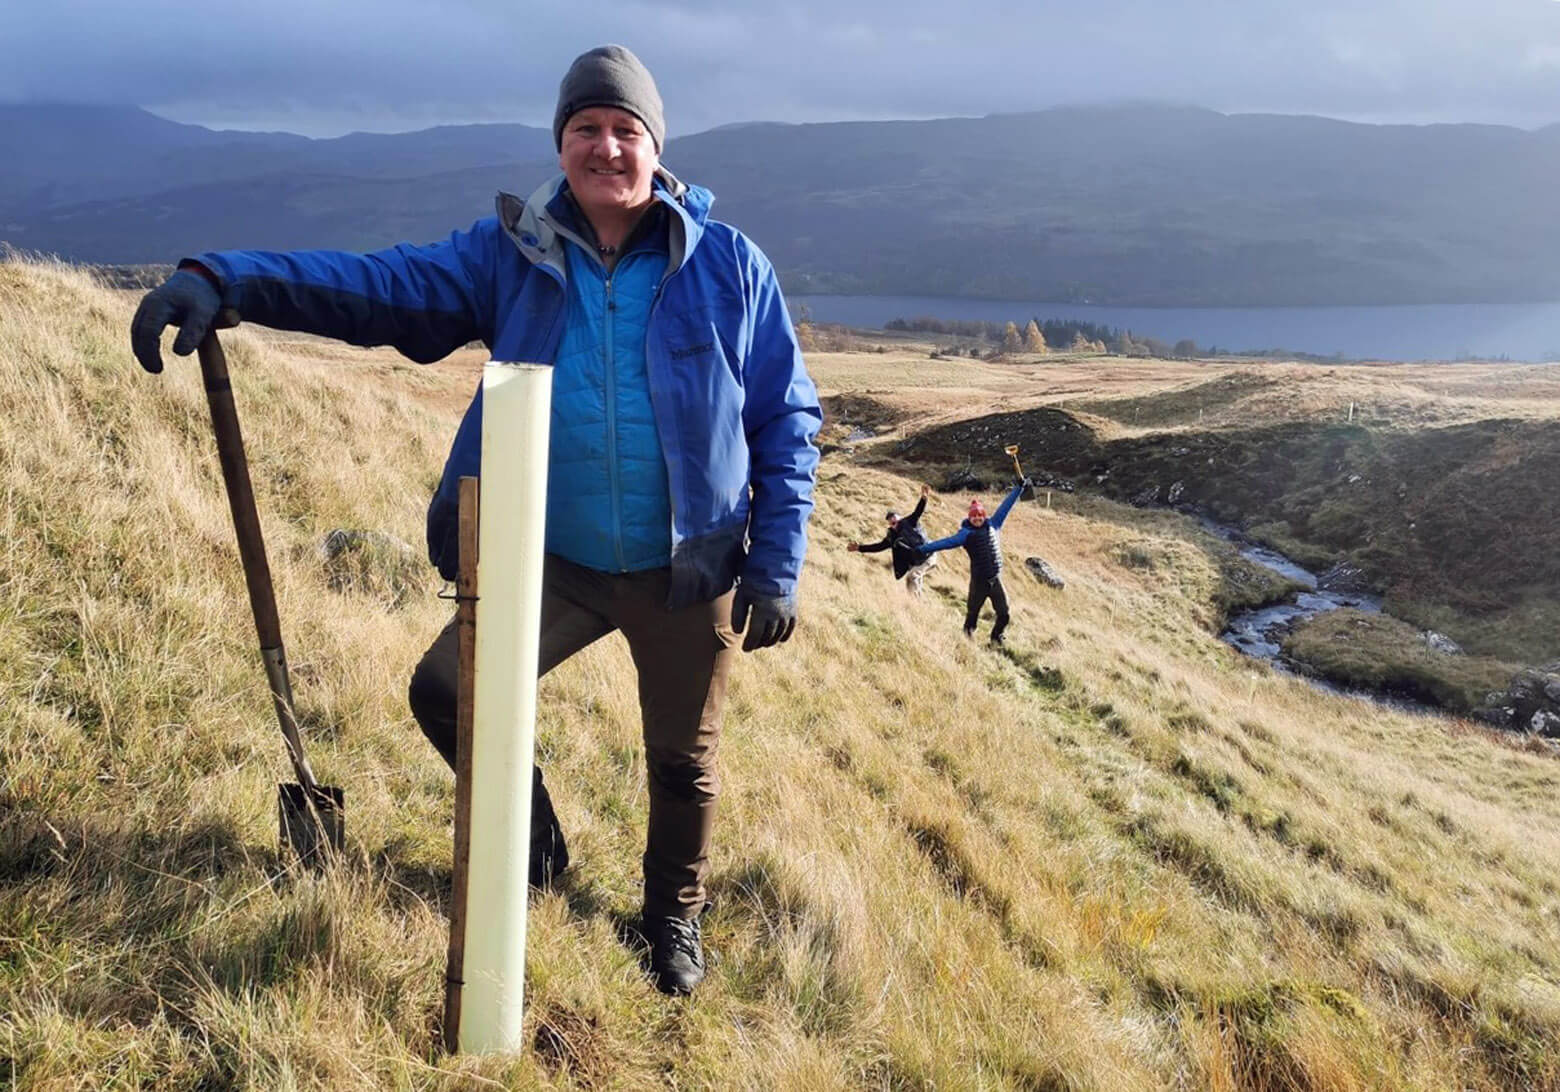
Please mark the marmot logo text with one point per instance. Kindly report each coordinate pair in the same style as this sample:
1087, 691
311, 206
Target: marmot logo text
693, 350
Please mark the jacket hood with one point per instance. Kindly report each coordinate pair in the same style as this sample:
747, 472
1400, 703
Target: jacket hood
533, 228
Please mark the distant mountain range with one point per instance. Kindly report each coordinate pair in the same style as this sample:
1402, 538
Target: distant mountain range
1131, 205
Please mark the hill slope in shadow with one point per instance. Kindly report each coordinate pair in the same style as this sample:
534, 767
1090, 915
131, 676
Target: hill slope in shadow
1137, 205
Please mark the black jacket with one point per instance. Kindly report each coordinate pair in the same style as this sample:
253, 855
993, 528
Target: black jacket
906, 539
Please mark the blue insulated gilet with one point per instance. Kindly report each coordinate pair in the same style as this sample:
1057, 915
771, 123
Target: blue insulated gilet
983, 543
607, 502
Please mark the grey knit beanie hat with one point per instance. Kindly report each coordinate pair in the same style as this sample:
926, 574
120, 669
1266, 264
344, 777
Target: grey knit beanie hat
609, 75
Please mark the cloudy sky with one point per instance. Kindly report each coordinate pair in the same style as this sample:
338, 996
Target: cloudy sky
387, 65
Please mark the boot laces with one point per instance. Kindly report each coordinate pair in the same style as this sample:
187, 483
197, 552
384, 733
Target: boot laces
682, 937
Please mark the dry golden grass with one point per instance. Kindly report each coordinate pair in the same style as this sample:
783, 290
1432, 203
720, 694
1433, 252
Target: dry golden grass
1114, 856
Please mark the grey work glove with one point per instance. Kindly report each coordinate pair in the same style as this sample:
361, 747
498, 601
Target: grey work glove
186, 300
768, 619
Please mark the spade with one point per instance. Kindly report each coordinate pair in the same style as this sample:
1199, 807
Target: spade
312, 815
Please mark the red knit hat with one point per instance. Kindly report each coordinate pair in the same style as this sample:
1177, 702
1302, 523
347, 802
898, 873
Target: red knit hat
977, 509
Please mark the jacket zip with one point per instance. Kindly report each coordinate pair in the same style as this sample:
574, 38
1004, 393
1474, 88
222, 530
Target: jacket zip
615, 489
674, 264
671, 484
609, 374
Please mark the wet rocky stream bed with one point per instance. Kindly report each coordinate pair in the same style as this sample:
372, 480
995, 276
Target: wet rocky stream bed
1530, 704
1260, 632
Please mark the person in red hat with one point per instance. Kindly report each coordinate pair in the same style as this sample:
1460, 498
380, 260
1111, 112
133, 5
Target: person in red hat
982, 541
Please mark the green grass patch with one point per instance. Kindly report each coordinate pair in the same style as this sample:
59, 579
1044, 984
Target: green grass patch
1379, 653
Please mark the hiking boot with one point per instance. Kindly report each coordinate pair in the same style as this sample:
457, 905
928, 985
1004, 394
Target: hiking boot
996, 640
676, 953
969, 635
549, 855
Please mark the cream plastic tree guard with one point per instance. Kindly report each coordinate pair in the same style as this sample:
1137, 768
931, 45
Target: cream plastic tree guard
516, 404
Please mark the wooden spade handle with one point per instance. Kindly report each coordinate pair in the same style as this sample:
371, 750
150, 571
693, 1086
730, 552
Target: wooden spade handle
466, 630
251, 547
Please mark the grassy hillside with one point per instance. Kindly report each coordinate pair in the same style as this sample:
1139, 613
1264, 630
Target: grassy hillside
1437, 481
1115, 856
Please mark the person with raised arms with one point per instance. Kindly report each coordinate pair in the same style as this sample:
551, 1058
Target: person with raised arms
906, 540
982, 541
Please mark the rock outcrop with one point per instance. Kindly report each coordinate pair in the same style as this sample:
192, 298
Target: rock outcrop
1346, 578
1530, 704
961, 480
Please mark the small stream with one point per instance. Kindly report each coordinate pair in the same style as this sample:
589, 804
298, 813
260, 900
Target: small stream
1260, 632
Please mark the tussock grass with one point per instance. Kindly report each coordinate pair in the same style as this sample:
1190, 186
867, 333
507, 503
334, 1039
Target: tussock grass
1379, 653
1114, 856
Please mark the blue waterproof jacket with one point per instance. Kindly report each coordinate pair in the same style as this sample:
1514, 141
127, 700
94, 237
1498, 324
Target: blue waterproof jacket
734, 408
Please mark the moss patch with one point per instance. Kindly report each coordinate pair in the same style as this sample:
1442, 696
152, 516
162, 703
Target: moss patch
1376, 652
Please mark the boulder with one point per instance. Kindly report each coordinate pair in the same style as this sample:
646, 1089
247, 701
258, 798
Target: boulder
1043, 572
1440, 642
372, 563
1048, 481
1544, 723
340, 541
1531, 703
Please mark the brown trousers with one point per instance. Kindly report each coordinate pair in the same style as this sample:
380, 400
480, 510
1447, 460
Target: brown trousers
682, 658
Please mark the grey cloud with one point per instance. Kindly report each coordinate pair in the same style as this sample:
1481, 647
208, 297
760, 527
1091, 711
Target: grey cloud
400, 63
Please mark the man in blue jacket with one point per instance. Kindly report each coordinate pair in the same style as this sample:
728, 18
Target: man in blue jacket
982, 541
681, 469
